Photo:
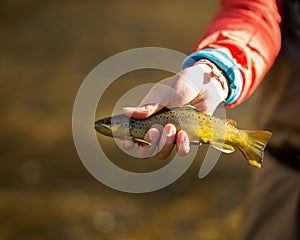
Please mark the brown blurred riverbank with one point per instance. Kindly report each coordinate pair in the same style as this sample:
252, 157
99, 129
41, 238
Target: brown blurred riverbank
47, 49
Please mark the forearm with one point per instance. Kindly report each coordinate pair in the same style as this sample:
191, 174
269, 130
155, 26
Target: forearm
248, 33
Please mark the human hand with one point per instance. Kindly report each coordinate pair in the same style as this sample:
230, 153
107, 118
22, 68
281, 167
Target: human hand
196, 86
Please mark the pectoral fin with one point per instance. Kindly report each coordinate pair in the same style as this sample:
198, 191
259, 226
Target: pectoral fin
232, 122
223, 147
141, 141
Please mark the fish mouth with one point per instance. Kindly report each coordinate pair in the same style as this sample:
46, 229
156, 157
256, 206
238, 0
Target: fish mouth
102, 127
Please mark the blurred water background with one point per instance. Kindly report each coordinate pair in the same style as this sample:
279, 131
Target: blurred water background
47, 49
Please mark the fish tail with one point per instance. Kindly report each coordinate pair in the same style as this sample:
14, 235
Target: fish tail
254, 148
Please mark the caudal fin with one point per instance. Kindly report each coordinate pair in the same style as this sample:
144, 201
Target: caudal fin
254, 149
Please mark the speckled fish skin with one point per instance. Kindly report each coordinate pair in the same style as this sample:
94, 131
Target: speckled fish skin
201, 128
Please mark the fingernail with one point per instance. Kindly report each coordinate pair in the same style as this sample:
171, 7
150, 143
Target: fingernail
186, 143
147, 108
170, 131
129, 109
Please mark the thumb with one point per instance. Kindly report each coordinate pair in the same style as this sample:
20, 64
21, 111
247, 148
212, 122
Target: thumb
143, 111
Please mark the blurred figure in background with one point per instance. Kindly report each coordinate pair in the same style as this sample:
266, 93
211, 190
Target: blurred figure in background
273, 209
227, 64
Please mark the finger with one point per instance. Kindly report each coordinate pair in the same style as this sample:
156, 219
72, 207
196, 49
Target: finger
126, 144
166, 142
142, 111
183, 143
169, 92
152, 136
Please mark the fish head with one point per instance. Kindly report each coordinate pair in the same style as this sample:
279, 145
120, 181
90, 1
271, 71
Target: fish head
103, 126
116, 126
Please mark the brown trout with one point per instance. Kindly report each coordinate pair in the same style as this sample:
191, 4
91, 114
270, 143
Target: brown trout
200, 128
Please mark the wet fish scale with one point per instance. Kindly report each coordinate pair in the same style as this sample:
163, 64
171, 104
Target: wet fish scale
201, 128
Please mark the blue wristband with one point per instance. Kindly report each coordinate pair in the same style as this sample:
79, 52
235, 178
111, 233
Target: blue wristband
226, 64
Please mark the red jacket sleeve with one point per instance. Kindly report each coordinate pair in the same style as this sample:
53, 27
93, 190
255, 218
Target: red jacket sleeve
248, 31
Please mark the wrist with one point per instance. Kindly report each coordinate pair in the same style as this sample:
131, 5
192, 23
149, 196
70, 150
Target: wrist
226, 64
213, 76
